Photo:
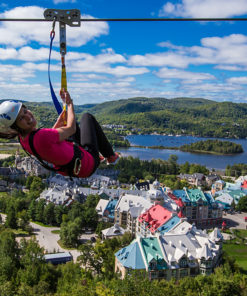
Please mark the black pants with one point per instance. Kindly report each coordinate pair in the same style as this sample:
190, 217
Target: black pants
92, 138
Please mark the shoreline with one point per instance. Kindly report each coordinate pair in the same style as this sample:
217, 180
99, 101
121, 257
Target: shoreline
178, 149
3, 156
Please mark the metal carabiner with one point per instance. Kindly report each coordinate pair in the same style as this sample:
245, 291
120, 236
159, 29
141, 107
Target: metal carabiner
77, 166
52, 34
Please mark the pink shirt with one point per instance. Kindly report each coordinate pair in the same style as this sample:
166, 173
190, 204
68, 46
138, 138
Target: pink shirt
46, 143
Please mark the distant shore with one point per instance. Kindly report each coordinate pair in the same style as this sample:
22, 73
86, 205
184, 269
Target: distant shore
3, 156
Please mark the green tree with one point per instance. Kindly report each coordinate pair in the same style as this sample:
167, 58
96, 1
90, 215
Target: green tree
32, 209
37, 185
49, 213
242, 204
58, 214
29, 181
23, 219
9, 256
39, 215
11, 219
70, 232
31, 262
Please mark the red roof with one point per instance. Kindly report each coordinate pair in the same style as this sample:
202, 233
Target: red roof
180, 214
155, 217
178, 201
244, 184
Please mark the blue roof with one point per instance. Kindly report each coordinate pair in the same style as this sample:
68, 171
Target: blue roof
179, 193
226, 205
131, 256
111, 206
209, 197
169, 224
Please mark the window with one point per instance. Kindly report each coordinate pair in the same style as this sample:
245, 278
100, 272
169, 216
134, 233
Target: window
154, 275
183, 262
183, 272
174, 272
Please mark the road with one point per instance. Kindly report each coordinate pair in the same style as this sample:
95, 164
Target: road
235, 220
48, 240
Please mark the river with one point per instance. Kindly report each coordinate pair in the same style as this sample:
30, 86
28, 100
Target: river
209, 160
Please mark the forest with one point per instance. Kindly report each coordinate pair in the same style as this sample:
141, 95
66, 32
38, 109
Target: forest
165, 171
185, 116
213, 146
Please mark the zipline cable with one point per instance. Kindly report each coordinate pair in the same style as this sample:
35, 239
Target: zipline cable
132, 20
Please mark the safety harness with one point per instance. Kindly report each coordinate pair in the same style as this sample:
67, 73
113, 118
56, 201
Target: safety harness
72, 168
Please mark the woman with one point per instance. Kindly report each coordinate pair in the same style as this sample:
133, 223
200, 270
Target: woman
76, 159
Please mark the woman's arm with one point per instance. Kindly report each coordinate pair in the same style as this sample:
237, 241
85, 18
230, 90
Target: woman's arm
60, 120
66, 131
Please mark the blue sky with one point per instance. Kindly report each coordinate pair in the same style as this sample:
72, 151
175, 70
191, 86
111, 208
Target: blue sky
108, 61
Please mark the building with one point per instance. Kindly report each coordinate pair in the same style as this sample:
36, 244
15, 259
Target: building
198, 207
124, 204
132, 218
217, 186
196, 179
156, 219
30, 165
113, 231
58, 258
62, 195
172, 255
100, 208
108, 215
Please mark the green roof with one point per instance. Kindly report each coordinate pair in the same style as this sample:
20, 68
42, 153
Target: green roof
195, 195
151, 250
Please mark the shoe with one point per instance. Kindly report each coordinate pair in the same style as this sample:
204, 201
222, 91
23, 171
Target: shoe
101, 158
113, 159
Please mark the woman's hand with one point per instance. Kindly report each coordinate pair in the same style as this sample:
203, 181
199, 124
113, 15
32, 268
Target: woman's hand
65, 96
70, 127
60, 119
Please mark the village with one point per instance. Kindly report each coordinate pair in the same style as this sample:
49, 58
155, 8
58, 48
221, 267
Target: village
175, 233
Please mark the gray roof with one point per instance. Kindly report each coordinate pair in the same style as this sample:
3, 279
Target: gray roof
115, 230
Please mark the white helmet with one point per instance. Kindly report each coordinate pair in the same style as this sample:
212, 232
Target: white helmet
9, 111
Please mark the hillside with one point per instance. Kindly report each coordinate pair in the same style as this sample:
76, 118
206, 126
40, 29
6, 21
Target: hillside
197, 116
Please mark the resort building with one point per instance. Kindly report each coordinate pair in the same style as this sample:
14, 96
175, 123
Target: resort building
156, 219
113, 231
198, 207
174, 254
124, 204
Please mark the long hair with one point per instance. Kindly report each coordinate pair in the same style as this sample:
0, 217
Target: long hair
11, 134
13, 131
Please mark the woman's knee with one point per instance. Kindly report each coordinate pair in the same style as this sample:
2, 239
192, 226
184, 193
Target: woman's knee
86, 117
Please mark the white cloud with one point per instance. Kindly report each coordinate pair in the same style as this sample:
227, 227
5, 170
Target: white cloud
219, 51
230, 68
237, 80
184, 75
64, 1
160, 59
101, 64
22, 33
13, 73
205, 8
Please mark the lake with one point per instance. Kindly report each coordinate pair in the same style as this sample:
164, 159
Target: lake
209, 160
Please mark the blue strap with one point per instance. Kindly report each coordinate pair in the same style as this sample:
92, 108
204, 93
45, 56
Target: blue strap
53, 95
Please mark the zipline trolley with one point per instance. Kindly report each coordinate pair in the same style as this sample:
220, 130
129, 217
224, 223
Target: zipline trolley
71, 18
